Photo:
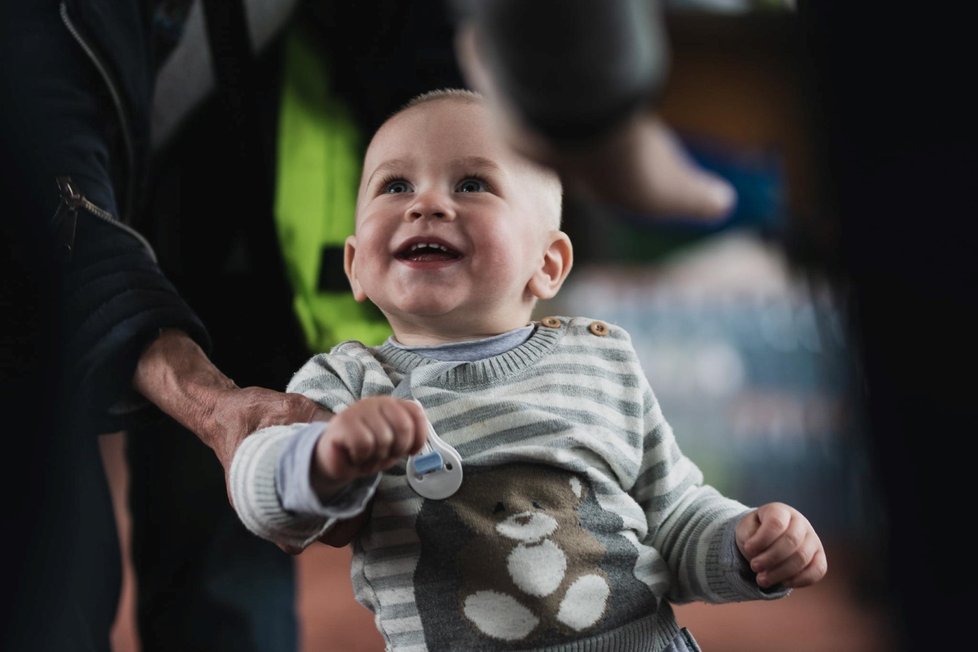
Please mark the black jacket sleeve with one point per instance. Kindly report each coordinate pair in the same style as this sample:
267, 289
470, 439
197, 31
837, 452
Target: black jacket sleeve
116, 300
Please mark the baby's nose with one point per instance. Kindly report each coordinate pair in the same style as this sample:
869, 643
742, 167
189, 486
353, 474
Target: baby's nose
431, 204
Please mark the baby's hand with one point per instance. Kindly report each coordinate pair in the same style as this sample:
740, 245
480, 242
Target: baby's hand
368, 437
781, 546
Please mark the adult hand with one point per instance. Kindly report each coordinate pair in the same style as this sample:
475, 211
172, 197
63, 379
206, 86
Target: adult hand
639, 165
237, 412
176, 375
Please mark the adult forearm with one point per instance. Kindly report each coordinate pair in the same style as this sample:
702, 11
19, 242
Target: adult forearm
176, 375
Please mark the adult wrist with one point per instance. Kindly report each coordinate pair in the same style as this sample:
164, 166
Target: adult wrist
176, 375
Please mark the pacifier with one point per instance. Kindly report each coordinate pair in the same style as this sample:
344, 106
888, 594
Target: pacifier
435, 472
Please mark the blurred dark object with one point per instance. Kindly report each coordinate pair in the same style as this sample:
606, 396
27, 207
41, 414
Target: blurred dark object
898, 153
572, 69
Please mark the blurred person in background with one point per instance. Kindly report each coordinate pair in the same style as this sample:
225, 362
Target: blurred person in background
898, 156
897, 152
110, 340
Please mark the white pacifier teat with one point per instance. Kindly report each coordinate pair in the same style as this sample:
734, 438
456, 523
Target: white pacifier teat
435, 472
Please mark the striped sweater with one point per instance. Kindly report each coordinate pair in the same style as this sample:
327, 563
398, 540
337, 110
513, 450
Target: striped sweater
578, 520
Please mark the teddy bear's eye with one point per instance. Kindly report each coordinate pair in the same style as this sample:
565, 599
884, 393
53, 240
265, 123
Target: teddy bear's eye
499, 508
535, 504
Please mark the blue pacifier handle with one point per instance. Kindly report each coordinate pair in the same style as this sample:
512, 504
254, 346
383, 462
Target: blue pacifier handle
428, 462
436, 472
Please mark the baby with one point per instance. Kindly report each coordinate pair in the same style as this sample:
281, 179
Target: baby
514, 483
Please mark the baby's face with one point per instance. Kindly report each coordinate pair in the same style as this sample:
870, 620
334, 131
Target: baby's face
451, 226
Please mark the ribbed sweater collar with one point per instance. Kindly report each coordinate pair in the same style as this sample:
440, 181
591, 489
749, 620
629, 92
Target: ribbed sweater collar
480, 372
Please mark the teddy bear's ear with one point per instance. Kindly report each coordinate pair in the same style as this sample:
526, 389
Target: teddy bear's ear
576, 486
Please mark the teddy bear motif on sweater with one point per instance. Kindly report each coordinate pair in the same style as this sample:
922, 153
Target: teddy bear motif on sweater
511, 559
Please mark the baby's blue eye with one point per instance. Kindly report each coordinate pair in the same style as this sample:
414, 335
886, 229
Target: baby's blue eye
396, 186
471, 185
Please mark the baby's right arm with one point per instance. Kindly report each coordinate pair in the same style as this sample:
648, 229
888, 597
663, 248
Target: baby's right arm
368, 437
294, 484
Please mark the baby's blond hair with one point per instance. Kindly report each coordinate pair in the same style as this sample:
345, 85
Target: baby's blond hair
462, 94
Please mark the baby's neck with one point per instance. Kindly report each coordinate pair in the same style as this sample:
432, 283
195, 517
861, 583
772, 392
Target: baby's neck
470, 350
411, 335
412, 340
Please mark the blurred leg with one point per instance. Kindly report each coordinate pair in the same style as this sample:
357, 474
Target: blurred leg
203, 581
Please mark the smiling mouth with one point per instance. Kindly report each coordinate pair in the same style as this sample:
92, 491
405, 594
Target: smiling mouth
427, 252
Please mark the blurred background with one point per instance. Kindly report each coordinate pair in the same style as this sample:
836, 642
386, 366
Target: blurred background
742, 327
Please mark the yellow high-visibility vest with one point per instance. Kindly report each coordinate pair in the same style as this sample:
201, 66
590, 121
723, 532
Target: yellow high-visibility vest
319, 155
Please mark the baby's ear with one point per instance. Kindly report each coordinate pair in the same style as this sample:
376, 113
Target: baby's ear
350, 267
558, 258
